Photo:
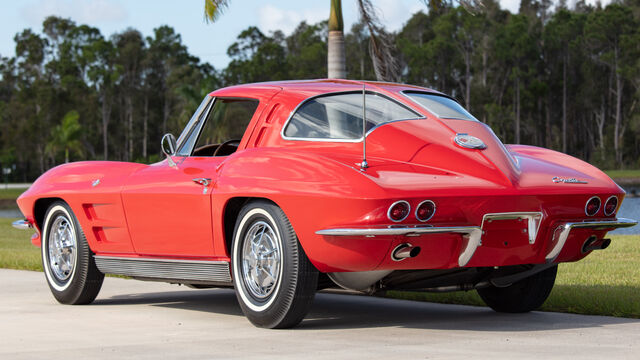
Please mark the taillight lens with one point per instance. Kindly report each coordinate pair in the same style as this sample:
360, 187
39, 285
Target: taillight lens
425, 210
611, 205
593, 205
398, 211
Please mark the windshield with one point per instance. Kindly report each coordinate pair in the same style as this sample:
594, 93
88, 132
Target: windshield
441, 106
339, 116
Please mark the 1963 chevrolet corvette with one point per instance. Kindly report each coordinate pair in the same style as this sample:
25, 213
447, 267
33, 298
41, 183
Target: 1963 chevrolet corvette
272, 189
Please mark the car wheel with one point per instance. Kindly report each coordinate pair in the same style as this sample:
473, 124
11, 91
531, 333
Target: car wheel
274, 280
523, 296
67, 261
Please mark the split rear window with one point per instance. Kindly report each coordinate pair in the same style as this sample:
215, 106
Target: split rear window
441, 106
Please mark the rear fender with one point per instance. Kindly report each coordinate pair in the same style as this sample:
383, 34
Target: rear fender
314, 192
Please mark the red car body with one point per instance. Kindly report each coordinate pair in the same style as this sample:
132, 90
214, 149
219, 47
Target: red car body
494, 207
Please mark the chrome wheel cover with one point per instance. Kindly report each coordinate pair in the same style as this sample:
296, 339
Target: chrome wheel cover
62, 247
261, 260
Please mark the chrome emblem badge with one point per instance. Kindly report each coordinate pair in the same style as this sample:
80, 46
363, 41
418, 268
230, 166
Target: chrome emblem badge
557, 179
95, 182
469, 142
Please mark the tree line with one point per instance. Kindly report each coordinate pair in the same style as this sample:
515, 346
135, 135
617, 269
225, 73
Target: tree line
566, 79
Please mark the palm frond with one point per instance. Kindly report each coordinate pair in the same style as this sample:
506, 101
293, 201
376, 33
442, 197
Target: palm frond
213, 9
473, 6
381, 45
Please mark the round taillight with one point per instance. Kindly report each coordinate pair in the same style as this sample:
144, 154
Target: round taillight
425, 210
593, 205
398, 211
611, 205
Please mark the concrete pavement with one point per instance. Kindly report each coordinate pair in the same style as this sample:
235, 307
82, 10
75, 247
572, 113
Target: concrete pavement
146, 320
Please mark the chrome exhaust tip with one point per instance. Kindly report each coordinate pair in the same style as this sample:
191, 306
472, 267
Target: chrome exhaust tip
592, 243
404, 251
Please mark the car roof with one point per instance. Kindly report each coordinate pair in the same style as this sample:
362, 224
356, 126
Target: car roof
319, 86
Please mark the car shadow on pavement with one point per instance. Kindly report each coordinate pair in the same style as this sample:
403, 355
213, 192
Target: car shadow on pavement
337, 311
221, 301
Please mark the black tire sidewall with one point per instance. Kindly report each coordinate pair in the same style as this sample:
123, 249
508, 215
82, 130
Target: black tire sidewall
523, 296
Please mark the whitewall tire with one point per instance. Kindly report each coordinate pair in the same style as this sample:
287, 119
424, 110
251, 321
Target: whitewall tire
67, 261
274, 280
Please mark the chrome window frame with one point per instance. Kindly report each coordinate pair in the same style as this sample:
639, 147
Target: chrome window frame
360, 139
190, 128
404, 93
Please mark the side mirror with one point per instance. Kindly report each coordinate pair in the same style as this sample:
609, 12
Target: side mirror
169, 145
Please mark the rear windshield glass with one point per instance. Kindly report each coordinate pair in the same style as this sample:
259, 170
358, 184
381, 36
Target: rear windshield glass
441, 106
339, 116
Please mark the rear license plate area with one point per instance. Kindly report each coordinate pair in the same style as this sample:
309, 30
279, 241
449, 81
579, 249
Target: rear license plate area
505, 234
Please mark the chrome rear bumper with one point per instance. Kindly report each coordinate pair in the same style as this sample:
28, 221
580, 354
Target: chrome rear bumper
473, 234
21, 224
563, 231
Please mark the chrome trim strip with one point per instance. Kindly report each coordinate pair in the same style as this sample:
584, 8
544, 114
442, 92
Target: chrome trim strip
605, 205
391, 231
196, 270
565, 231
21, 224
418, 207
189, 128
284, 137
474, 239
533, 223
472, 234
587, 203
394, 204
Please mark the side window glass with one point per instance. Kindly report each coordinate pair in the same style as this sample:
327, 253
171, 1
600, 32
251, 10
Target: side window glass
227, 120
339, 116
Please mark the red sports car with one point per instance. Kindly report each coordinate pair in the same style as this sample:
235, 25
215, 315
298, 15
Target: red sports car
272, 189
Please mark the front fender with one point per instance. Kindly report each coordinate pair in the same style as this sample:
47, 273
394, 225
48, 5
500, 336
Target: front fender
92, 190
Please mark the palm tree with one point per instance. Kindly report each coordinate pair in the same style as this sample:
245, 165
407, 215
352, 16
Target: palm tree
385, 66
336, 63
66, 136
380, 46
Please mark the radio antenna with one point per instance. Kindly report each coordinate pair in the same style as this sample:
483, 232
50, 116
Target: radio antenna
364, 165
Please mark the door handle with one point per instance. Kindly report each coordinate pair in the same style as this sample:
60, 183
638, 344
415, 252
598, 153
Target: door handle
204, 182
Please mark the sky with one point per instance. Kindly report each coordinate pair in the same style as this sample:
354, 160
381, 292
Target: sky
209, 42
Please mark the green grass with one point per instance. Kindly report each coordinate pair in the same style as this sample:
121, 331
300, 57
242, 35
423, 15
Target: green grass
605, 283
16, 250
8, 198
621, 174
10, 194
